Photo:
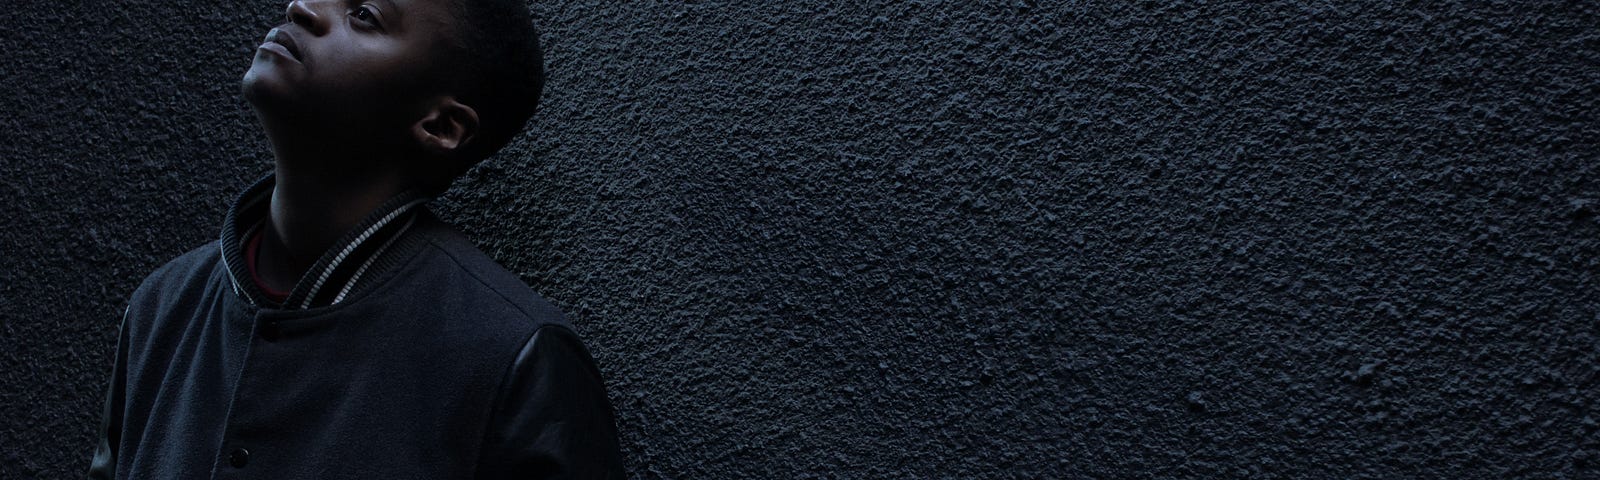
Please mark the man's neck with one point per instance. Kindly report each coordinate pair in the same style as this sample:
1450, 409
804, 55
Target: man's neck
309, 213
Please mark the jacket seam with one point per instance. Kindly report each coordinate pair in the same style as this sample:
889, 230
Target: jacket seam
503, 297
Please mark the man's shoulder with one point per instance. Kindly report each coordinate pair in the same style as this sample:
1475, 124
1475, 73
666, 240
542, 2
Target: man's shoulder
458, 273
195, 267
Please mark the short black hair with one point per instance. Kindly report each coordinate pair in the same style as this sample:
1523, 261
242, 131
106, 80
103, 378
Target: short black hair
495, 66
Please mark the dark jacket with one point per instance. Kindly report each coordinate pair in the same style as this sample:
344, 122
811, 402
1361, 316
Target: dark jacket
405, 353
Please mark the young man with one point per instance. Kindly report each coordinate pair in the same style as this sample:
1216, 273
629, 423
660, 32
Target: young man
338, 329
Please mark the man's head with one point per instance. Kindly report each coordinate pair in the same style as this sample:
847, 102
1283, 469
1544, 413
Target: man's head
419, 88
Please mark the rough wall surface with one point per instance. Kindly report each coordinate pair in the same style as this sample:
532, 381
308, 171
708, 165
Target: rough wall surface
929, 239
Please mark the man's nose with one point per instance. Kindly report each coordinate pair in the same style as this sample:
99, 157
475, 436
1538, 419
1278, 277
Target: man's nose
300, 13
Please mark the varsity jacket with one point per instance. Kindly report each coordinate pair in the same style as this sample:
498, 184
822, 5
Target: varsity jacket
404, 353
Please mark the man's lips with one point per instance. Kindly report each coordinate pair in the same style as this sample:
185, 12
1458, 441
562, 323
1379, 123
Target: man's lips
279, 41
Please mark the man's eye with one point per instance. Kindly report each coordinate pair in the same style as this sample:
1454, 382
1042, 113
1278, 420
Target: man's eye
364, 13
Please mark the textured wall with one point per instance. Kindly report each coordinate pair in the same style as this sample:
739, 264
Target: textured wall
929, 238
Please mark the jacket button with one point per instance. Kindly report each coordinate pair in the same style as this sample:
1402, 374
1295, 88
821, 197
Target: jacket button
269, 331
239, 458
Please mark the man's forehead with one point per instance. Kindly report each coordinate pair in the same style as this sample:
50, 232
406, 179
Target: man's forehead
431, 13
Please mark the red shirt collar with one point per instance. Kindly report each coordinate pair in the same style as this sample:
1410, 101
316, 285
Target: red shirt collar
251, 247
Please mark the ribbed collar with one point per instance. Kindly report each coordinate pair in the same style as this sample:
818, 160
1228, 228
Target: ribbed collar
336, 274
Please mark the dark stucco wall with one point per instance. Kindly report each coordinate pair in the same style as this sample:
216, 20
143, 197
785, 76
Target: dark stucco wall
928, 239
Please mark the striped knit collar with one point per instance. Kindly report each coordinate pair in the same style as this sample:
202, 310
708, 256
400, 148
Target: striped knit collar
335, 275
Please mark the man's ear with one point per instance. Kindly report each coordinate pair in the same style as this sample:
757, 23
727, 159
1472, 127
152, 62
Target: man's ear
447, 126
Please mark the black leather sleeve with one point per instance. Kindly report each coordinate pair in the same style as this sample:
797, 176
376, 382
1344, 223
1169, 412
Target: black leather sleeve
104, 464
552, 417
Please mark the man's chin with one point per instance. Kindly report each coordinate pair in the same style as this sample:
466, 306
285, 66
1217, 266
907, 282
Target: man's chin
265, 88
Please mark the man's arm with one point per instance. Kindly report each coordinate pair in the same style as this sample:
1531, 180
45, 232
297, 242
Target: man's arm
104, 464
552, 419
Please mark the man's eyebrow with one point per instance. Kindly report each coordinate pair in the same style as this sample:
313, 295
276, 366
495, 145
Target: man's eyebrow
393, 9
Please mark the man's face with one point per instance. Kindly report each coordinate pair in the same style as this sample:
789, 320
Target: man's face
348, 63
